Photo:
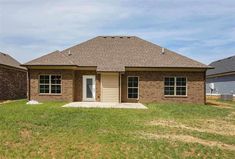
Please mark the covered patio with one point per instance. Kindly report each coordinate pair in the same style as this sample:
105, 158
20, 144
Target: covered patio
106, 105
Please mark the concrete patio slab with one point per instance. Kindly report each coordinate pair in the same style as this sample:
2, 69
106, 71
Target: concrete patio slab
105, 105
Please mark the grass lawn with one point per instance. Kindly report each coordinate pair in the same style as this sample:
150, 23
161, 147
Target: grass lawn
162, 131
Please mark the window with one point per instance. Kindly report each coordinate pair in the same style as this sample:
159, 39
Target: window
175, 86
133, 87
50, 84
181, 86
169, 86
44, 84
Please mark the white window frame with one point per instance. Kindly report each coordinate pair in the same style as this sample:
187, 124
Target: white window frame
133, 87
50, 84
175, 86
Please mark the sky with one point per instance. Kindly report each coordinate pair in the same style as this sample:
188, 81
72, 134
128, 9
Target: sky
200, 29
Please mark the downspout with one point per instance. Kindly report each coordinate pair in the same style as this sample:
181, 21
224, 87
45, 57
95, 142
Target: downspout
74, 88
205, 87
120, 87
29, 84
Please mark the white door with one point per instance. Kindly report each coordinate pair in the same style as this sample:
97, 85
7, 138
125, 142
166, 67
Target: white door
89, 88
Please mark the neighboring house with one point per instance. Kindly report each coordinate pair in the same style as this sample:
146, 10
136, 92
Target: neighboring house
13, 78
117, 69
222, 78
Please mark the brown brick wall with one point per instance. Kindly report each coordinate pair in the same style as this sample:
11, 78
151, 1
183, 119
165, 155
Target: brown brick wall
78, 84
151, 87
67, 85
71, 91
13, 83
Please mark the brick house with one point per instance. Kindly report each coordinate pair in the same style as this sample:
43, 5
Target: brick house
13, 78
222, 77
116, 69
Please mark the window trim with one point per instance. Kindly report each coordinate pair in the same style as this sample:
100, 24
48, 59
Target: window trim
133, 87
49, 84
175, 77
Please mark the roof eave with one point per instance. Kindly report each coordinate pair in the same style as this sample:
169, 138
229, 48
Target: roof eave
206, 67
25, 65
221, 74
19, 68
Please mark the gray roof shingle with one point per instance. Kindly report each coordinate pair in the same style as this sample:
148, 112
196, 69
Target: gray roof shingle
7, 60
114, 53
222, 66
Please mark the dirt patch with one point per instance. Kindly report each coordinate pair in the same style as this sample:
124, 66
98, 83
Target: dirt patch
5, 101
231, 116
218, 126
24, 133
223, 107
208, 126
189, 139
103, 131
190, 153
8, 101
219, 104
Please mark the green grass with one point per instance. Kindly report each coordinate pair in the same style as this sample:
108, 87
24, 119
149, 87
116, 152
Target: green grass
50, 131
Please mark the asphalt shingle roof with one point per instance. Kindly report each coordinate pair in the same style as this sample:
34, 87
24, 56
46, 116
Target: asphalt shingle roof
53, 59
222, 66
7, 60
114, 53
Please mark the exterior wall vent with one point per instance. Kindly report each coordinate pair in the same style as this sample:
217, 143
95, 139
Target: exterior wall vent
163, 51
69, 53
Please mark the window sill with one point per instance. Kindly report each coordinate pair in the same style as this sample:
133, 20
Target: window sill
50, 94
175, 96
133, 98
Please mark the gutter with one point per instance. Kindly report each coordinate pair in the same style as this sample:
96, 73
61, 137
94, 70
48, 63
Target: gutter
13, 67
220, 74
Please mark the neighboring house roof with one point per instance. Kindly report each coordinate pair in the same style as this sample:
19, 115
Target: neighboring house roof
114, 53
222, 66
7, 60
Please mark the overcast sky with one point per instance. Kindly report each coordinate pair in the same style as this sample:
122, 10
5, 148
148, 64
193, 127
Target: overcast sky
200, 29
